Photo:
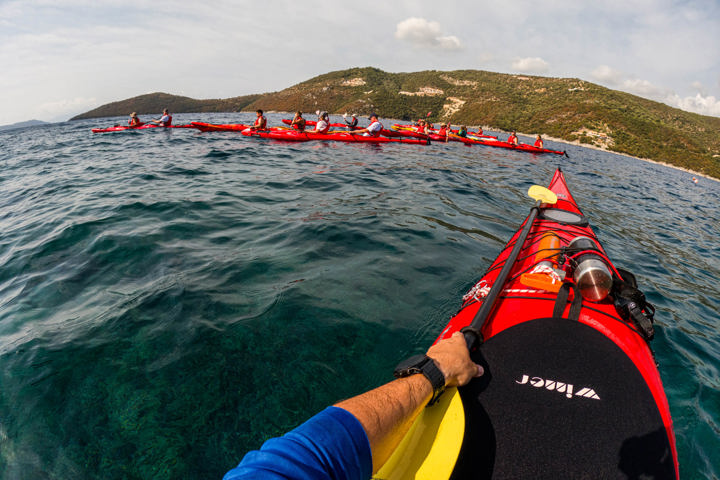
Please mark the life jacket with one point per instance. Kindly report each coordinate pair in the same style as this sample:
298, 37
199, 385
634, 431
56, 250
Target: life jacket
135, 122
539, 143
260, 122
300, 126
169, 121
376, 134
327, 126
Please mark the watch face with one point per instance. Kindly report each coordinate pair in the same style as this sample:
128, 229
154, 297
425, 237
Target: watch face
414, 362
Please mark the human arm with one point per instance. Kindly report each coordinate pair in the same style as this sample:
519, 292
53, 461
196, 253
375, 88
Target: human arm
387, 412
354, 438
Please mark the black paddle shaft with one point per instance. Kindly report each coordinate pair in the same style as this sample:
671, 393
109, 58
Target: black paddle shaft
472, 332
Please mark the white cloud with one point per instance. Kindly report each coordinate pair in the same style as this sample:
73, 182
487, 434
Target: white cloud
607, 75
531, 65
422, 33
704, 105
701, 103
642, 88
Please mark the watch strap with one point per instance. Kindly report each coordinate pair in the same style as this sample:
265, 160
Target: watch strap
436, 378
427, 366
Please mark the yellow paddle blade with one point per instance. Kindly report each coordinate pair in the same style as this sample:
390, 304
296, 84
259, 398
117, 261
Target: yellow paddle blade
430, 448
542, 194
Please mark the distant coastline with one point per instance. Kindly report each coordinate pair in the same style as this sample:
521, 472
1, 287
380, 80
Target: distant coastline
28, 123
568, 109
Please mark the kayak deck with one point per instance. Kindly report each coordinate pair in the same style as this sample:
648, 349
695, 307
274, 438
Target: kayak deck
561, 398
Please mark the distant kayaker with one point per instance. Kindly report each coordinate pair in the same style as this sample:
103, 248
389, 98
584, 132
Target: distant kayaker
421, 128
323, 123
134, 120
538, 141
372, 130
513, 139
462, 131
260, 121
479, 132
444, 131
354, 438
352, 123
165, 120
298, 122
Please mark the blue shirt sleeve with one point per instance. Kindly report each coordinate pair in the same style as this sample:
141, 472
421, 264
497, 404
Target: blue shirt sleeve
331, 445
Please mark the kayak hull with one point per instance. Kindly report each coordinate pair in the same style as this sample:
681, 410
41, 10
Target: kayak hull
312, 123
571, 389
295, 136
471, 139
147, 126
215, 127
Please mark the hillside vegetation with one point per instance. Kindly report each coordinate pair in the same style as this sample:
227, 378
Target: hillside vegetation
153, 104
565, 108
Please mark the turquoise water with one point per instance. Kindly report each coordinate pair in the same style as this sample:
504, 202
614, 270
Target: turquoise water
169, 299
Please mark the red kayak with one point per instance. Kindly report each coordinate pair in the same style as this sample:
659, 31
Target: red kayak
407, 131
219, 127
295, 136
475, 134
120, 128
312, 123
472, 140
571, 387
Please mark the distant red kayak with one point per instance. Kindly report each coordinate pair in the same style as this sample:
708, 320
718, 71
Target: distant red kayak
219, 127
120, 128
312, 123
522, 146
295, 136
481, 135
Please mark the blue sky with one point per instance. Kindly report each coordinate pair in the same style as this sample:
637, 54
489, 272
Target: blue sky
61, 58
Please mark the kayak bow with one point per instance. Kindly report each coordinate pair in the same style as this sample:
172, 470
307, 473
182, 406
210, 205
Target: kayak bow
571, 388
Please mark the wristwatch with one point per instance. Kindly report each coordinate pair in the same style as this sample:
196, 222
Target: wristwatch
425, 365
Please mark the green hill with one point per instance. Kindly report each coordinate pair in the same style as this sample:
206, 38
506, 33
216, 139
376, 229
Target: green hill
153, 104
566, 108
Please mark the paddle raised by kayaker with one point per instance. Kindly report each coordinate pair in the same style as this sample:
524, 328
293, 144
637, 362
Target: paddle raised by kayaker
354, 437
352, 123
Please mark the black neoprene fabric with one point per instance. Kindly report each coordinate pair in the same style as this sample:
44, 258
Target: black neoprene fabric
522, 421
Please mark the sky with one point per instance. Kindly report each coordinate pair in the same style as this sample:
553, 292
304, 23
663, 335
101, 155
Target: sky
65, 57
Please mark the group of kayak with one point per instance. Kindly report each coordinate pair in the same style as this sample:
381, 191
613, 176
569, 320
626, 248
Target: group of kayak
299, 129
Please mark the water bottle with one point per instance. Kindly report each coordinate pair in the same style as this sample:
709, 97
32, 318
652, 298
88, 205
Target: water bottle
591, 273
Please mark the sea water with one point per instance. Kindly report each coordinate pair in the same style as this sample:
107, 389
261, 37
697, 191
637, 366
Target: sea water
169, 298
